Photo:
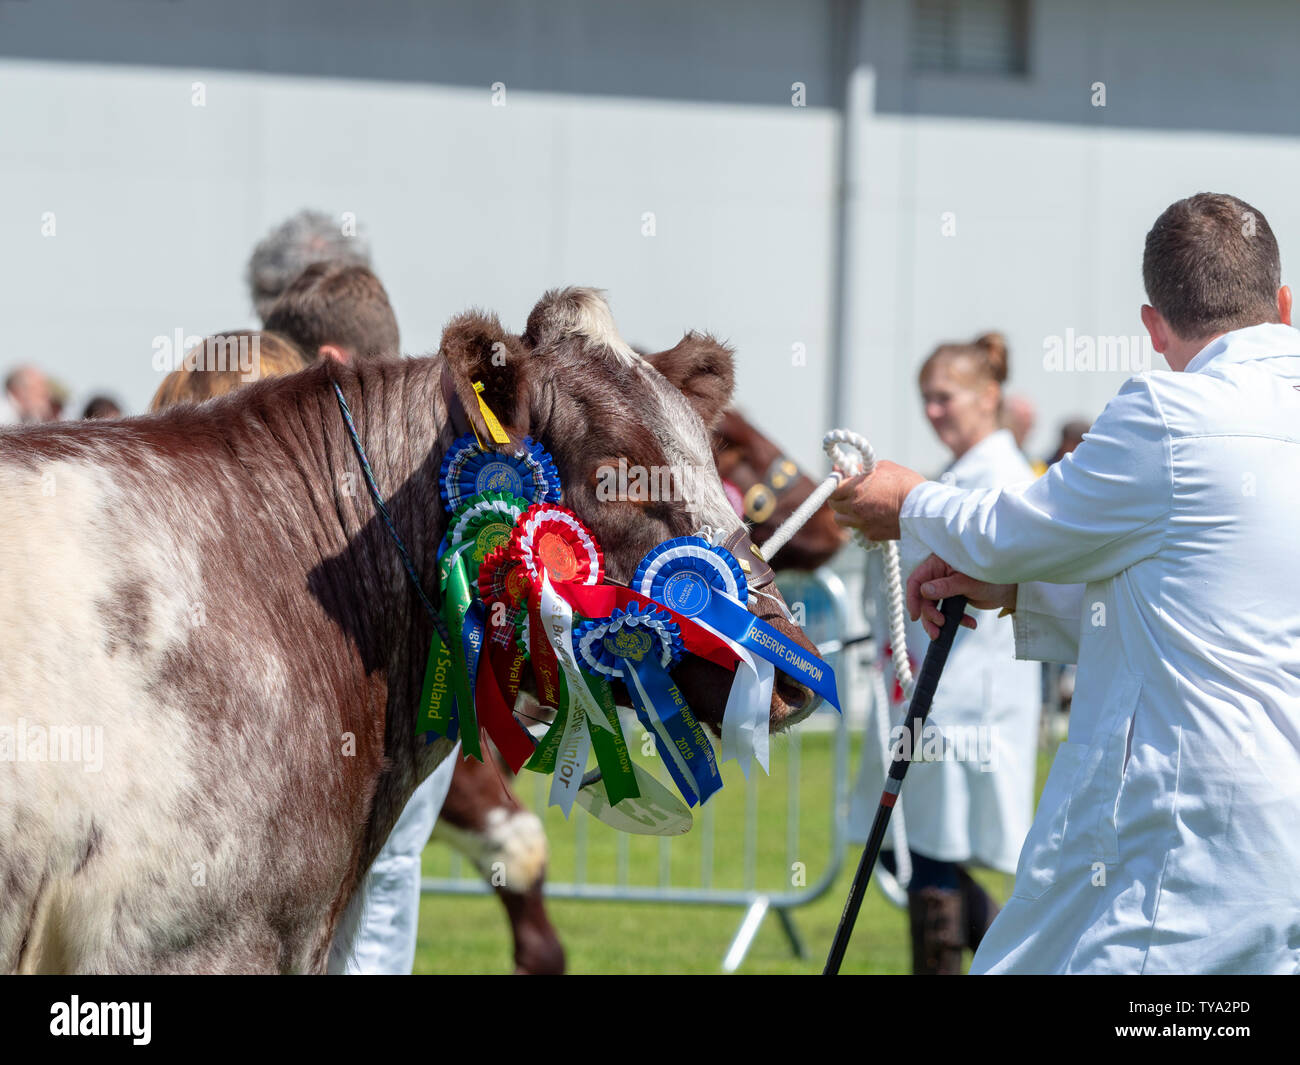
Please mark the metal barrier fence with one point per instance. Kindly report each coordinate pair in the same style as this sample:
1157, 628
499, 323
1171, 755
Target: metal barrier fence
717, 871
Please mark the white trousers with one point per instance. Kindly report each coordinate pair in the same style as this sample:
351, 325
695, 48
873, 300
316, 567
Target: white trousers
380, 923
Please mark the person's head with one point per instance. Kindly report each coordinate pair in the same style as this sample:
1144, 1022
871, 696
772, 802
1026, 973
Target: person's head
961, 385
1019, 415
308, 237
31, 395
1211, 265
1071, 437
102, 407
339, 312
196, 380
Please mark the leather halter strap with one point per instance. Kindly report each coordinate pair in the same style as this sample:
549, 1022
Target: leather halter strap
757, 571
455, 409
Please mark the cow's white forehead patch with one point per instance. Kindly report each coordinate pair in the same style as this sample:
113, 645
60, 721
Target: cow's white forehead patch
676, 426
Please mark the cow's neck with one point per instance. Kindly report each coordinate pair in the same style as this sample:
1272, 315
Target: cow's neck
357, 574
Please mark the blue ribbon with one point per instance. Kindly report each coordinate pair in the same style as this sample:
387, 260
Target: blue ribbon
471, 642
668, 704
696, 586
640, 644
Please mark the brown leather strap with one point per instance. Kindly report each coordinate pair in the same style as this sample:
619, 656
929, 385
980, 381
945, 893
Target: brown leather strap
758, 572
455, 409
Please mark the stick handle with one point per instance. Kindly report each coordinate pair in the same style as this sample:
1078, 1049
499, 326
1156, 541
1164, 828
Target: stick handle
935, 658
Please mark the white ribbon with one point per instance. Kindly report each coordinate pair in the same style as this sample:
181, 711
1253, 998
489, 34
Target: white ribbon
745, 721
575, 744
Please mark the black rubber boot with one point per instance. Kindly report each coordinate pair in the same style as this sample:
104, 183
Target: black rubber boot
980, 909
938, 931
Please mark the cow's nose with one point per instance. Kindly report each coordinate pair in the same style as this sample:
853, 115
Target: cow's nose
797, 698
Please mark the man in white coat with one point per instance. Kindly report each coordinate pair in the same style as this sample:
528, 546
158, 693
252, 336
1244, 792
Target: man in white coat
1161, 556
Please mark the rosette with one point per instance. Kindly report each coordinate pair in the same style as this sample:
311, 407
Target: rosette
640, 644
468, 470
665, 565
636, 633
486, 521
585, 715
553, 538
550, 540
706, 584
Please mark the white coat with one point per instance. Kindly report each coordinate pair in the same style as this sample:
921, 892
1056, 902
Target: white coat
1166, 837
973, 800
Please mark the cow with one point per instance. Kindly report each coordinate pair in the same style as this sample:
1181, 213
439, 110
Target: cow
210, 591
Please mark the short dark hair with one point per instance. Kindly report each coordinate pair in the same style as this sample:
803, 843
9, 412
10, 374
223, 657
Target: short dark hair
1211, 265
333, 303
102, 407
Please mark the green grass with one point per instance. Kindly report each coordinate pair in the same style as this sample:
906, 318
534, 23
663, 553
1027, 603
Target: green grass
461, 934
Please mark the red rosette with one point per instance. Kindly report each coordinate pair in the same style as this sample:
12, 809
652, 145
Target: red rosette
552, 538
503, 578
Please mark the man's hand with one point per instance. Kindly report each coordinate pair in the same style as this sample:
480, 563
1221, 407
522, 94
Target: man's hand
934, 579
871, 503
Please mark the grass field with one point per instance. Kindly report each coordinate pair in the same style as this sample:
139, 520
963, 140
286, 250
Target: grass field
470, 934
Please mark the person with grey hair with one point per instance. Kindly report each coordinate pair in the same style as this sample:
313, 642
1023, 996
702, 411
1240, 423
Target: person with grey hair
298, 242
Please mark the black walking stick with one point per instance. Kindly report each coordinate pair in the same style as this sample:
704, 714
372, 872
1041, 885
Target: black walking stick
935, 657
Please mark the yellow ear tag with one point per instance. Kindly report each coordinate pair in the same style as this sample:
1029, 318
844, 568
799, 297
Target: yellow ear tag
499, 434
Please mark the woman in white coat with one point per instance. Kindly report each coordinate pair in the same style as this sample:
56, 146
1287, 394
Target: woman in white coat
970, 802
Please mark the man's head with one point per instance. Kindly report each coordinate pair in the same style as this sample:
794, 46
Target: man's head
336, 311
30, 393
308, 237
1211, 265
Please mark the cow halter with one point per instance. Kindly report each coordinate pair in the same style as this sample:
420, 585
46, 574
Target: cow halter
758, 573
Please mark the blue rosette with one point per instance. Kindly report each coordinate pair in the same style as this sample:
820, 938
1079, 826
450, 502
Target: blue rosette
468, 470
706, 584
640, 644
635, 633
678, 565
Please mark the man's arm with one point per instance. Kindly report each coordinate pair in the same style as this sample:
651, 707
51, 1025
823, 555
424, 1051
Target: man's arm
1092, 515
1047, 620
1047, 616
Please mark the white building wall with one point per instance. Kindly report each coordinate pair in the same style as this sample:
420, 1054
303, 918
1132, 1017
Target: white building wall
675, 108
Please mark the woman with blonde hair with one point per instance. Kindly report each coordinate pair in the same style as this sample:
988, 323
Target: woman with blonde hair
969, 796
208, 370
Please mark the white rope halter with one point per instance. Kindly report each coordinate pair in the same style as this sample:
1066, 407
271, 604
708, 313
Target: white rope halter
850, 455
849, 463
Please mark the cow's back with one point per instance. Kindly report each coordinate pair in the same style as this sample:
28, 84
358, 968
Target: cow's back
147, 735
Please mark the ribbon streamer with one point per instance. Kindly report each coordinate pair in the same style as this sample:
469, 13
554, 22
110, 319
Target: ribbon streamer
640, 646
590, 719
703, 583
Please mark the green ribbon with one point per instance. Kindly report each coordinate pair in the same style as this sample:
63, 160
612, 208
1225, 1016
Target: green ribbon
548, 750
447, 670
611, 748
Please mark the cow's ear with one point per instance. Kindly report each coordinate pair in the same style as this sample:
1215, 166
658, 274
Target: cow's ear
479, 351
704, 370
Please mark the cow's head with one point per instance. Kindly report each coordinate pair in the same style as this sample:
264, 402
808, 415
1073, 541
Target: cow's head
621, 428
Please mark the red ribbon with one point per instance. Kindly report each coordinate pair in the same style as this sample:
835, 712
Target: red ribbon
495, 692
599, 601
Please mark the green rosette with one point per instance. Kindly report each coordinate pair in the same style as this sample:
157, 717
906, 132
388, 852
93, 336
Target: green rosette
483, 522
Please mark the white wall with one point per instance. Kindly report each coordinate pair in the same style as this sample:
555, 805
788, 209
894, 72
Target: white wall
674, 107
